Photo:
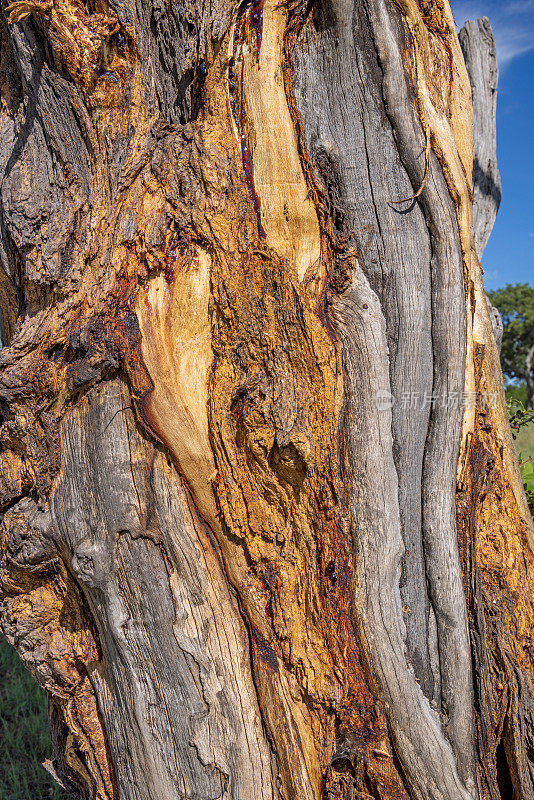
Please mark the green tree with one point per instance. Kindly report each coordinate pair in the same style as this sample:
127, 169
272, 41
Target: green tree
516, 305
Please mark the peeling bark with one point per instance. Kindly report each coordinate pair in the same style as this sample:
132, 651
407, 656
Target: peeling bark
253, 544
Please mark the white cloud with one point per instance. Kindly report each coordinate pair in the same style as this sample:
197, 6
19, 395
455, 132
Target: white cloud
512, 23
520, 7
491, 279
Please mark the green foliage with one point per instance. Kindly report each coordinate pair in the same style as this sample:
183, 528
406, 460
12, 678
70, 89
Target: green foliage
517, 391
516, 305
24, 737
518, 415
522, 422
527, 471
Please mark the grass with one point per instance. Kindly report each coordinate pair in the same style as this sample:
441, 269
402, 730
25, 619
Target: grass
523, 431
24, 737
524, 441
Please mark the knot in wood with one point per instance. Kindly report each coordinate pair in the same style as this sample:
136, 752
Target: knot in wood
90, 563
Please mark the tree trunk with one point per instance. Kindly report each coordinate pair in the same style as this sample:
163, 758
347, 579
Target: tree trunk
480, 54
264, 532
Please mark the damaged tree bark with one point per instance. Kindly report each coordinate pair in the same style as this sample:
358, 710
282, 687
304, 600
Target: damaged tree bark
254, 542
480, 54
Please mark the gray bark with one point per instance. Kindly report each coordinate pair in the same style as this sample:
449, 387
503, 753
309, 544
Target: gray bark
173, 682
480, 53
414, 266
175, 688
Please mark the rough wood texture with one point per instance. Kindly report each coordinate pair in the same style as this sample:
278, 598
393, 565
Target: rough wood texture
430, 546
480, 54
253, 543
502, 693
174, 675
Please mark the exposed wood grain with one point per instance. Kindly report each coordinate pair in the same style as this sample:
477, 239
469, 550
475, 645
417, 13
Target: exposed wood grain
287, 213
174, 684
438, 395
338, 86
176, 345
426, 755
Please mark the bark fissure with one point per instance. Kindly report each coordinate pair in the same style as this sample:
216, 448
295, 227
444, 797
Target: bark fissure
441, 561
388, 269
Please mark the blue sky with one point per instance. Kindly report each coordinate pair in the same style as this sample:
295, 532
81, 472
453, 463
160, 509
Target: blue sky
509, 256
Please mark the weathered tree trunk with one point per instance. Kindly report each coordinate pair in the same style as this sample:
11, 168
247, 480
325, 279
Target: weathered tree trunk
255, 544
480, 54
